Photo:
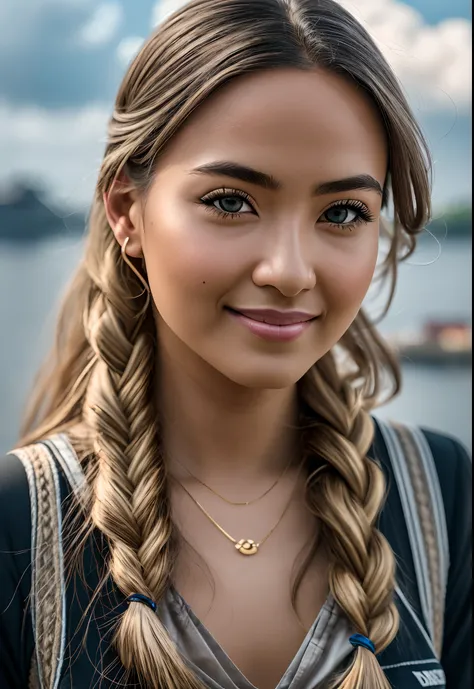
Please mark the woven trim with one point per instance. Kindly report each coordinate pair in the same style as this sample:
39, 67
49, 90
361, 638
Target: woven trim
412, 521
47, 590
428, 522
61, 448
437, 502
33, 679
422, 503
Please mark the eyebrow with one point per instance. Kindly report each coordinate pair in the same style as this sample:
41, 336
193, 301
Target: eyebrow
262, 179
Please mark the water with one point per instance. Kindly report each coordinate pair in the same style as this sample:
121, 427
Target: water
32, 279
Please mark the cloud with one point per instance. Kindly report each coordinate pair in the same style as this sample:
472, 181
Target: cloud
22, 21
164, 8
102, 25
62, 149
433, 62
128, 48
42, 59
61, 142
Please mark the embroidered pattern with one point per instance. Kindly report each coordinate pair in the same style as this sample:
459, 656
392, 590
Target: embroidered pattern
47, 592
422, 504
427, 519
48, 587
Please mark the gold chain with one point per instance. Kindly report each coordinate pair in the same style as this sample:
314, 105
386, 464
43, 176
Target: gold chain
245, 546
230, 502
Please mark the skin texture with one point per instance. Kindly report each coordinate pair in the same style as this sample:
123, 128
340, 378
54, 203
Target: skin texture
227, 397
304, 129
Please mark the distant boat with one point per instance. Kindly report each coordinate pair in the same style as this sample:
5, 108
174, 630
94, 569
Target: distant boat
440, 343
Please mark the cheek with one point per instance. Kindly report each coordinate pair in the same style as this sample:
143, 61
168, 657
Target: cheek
188, 267
345, 282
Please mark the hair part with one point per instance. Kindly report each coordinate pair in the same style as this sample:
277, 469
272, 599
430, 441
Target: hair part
98, 382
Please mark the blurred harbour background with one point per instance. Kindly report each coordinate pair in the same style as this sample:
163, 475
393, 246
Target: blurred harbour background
60, 65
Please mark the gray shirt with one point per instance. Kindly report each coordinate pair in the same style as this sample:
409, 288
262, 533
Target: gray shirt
323, 651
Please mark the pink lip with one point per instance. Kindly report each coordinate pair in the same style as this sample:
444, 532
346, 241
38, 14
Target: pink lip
277, 326
274, 317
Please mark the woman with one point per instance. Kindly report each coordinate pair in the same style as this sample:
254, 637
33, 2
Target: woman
214, 375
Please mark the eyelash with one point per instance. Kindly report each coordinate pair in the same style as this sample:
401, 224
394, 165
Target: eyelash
208, 201
363, 213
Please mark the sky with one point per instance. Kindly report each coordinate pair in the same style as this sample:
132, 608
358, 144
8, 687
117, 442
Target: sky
61, 62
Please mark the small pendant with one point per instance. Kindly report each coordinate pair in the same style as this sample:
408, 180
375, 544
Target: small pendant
246, 546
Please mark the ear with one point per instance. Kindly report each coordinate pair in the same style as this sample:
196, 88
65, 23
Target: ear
122, 205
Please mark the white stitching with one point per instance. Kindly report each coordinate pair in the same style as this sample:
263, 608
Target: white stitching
57, 490
66, 456
412, 522
410, 662
437, 500
418, 622
25, 459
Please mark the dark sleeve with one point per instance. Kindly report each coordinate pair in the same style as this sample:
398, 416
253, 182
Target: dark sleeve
16, 634
454, 467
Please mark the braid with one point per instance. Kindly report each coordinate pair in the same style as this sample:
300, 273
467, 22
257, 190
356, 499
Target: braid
346, 494
131, 504
101, 370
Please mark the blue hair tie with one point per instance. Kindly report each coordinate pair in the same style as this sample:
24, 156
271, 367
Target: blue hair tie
140, 598
363, 641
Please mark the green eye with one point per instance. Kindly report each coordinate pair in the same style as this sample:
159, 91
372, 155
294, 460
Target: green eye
228, 203
341, 215
347, 214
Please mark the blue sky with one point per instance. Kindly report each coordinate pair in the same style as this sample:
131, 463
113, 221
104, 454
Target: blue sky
435, 10
61, 62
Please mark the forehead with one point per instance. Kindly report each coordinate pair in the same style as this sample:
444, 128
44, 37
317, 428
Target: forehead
286, 122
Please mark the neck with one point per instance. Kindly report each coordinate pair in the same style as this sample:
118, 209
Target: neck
220, 430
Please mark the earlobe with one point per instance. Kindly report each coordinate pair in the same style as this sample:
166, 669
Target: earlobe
121, 233
120, 209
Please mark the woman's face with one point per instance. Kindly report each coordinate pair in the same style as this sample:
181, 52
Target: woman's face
260, 230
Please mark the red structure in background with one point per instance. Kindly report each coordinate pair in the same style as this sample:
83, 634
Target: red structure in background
449, 335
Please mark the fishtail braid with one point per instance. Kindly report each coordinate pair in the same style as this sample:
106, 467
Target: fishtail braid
130, 504
346, 493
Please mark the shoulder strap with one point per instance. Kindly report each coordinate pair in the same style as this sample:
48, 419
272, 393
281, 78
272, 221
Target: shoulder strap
422, 502
420, 494
47, 598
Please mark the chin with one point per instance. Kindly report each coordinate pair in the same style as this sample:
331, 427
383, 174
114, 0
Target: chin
274, 376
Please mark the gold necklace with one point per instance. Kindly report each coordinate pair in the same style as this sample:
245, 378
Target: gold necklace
245, 546
230, 502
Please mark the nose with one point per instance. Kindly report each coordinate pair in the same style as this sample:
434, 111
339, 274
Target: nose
285, 266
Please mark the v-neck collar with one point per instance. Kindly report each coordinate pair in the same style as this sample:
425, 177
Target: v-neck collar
322, 651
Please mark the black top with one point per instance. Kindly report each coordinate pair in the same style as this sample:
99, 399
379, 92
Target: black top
408, 662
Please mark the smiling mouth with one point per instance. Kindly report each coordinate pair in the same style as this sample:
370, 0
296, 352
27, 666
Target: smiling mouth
274, 318
274, 326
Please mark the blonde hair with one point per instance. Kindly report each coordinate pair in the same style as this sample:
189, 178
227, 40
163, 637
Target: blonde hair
101, 371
